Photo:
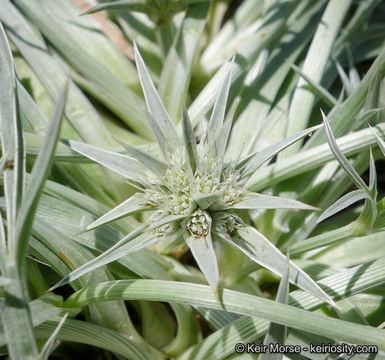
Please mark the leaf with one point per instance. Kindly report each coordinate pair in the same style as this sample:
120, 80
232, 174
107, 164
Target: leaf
133, 241
250, 200
48, 346
253, 161
319, 89
83, 332
356, 251
103, 259
258, 248
342, 203
311, 159
190, 142
156, 166
381, 143
315, 64
324, 239
341, 158
177, 69
154, 102
344, 78
123, 5
3, 245
12, 142
218, 113
224, 132
343, 284
163, 220
3, 161
277, 333
132, 205
159, 135
4, 281
203, 251
232, 301
39, 174
372, 176
121, 100
123, 165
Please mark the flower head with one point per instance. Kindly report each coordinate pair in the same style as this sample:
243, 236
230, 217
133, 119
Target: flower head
193, 191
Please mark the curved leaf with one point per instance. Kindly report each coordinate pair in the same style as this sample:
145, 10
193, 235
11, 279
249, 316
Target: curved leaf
342, 203
233, 301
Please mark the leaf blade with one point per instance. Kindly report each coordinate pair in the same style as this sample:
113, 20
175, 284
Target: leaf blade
131, 206
342, 203
123, 165
251, 201
48, 346
234, 301
261, 250
204, 254
38, 176
189, 142
154, 102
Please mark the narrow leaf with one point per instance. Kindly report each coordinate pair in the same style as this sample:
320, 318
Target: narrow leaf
341, 158
372, 175
176, 72
381, 143
154, 102
134, 241
3, 161
233, 301
258, 248
253, 161
342, 203
123, 165
189, 142
85, 332
12, 142
157, 166
124, 5
165, 220
203, 251
218, 114
38, 176
132, 205
159, 136
250, 200
277, 333
99, 261
224, 132
319, 89
344, 78
48, 346
3, 245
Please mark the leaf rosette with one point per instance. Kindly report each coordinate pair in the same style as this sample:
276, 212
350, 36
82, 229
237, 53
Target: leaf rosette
193, 193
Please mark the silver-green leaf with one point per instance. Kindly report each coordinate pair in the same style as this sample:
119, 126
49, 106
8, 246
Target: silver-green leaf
258, 248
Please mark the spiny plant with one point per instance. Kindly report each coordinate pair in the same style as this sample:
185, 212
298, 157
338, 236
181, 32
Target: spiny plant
193, 192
